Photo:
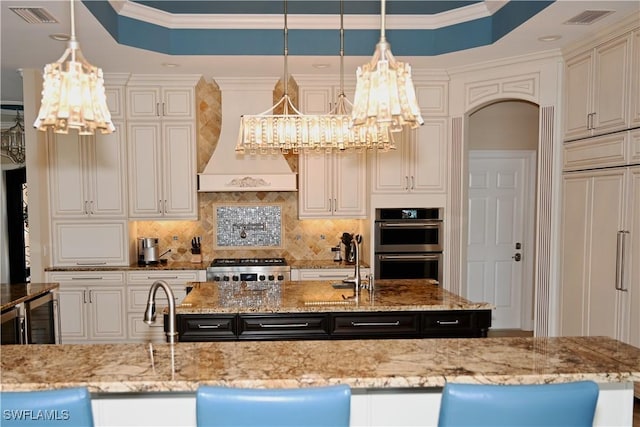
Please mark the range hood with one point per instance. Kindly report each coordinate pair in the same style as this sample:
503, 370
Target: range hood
231, 171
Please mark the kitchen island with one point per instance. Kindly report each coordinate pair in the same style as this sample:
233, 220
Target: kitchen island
214, 311
399, 384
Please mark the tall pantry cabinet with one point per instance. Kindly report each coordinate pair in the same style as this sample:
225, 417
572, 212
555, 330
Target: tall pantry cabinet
161, 139
600, 230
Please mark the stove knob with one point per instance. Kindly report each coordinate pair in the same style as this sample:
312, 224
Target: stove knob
216, 278
280, 277
261, 277
225, 278
236, 278
271, 277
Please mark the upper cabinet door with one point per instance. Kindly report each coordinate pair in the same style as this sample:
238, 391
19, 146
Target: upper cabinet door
578, 77
429, 157
179, 171
611, 86
67, 183
108, 174
88, 175
154, 102
143, 102
315, 196
145, 185
350, 184
597, 89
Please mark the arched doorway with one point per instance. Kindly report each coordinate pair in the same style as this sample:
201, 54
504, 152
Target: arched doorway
501, 152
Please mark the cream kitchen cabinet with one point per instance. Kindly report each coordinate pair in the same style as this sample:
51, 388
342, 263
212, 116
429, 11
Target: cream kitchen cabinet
307, 274
162, 170
150, 101
635, 80
92, 306
87, 175
418, 165
138, 285
598, 89
332, 185
600, 246
91, 243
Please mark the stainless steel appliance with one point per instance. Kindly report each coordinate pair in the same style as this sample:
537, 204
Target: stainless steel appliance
148, 250
408, 243
41, 313
408, 230
31, 322
11, 322
248, 270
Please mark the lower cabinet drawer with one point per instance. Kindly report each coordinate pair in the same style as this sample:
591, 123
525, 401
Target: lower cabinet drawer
449, 324
312, 326
202, 328
378, 325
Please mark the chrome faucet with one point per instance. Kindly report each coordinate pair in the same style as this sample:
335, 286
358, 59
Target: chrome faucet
150, 311
356, 279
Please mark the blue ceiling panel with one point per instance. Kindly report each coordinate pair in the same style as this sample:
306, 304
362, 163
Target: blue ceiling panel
317, 42
312, 7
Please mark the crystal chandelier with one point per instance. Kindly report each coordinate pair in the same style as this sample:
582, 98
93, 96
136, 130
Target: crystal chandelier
73, 95
13, 146
385, 96
290, 131
337, 124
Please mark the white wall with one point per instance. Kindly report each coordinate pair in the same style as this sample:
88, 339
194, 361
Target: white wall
508, 125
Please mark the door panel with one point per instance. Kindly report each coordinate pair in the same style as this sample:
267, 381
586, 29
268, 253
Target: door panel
498, 188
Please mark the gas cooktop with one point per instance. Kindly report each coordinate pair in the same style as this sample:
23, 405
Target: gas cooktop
220, 262
248, 270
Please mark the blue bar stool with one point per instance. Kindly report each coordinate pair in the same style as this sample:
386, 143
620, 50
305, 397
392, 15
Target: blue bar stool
311, 407
567, 404
69, 407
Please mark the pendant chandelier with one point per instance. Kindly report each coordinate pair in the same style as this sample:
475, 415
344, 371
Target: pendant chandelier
73, 95
385, 96
290, 131
13, 145
337, 124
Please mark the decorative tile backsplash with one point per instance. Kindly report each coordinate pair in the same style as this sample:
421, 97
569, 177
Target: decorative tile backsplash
242, 226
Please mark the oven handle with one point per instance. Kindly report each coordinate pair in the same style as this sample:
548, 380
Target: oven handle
409, 257
430, 224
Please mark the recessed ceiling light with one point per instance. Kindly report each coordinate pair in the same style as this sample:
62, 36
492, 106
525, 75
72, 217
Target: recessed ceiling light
170, 64
549, 38
60, 37
321, 66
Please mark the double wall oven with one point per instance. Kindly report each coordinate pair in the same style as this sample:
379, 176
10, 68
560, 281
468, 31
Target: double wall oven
408, 243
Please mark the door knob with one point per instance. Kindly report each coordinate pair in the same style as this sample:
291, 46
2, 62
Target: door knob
517, 257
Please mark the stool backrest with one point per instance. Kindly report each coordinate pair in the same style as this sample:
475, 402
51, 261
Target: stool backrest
231, 407
69, 407
566, 404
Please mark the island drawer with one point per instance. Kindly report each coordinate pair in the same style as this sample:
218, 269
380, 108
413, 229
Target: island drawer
455, 323
204, 327
284, 326
375, 325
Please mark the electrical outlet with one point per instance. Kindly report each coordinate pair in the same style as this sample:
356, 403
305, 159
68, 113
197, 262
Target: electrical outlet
175, 238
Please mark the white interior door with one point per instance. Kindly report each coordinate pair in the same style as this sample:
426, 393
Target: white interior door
500, 234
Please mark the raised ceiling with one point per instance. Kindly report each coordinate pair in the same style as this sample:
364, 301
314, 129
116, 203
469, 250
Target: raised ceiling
245, 38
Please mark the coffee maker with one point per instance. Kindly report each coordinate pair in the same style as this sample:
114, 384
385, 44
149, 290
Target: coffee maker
148, 251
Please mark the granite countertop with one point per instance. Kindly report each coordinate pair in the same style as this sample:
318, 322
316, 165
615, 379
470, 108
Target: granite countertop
17, 293
185, 265
112, 368
177, 265
323, 264
320, 296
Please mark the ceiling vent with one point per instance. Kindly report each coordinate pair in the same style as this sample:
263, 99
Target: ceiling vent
588, 17
35, 15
